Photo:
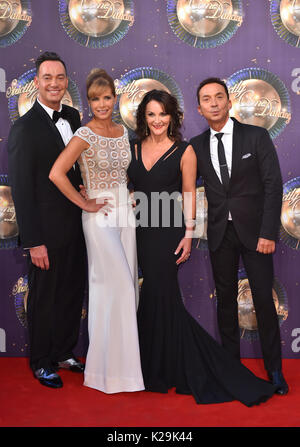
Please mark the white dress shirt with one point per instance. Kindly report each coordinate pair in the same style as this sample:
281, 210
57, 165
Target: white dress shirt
62, 125
227, 143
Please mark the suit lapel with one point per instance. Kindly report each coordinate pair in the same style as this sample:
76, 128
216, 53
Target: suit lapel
51, 125
58, 143
69, 117
237, 144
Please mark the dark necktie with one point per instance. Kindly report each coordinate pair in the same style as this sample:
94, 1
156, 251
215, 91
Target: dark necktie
222, 161
63, 114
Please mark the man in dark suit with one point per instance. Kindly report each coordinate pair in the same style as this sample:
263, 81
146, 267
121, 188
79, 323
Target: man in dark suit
243, 185
49, 224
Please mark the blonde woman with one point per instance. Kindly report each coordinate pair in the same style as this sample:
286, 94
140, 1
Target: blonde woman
103, 153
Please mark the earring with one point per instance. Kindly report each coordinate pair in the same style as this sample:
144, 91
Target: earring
90, 113
170, 129
147, 130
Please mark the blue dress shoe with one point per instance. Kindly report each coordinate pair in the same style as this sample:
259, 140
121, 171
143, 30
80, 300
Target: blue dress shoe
278, 380
48, 377
71, 364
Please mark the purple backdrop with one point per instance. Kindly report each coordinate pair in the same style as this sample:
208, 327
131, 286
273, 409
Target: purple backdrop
151, 42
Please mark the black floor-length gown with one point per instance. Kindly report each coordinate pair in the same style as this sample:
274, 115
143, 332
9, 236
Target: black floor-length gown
175, 350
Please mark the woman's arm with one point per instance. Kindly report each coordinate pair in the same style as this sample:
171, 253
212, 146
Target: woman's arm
188, 168
58, 175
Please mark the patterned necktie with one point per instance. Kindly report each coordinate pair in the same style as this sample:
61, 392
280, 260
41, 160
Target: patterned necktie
222, 162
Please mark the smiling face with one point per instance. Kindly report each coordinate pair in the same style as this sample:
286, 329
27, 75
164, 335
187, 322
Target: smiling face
51, 82
157, 119
102, 102
214, 105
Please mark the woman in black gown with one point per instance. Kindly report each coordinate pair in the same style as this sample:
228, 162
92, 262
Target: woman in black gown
175, 350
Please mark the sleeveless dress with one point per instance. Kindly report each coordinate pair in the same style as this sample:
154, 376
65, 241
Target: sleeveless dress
113, 358
175, 350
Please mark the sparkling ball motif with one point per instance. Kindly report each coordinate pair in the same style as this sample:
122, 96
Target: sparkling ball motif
25, 101
255, 104
246, 312
204, 18
290, 214
20, 293
96, 18
290, 15
8, 224
130, 101
7, 8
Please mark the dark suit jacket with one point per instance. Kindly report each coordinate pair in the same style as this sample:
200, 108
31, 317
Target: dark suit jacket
255, 190
44, 214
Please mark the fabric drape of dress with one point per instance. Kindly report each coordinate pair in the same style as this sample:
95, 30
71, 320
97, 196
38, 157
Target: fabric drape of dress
113, 358
175, 350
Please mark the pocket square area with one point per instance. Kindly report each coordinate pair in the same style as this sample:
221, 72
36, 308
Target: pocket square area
246, 156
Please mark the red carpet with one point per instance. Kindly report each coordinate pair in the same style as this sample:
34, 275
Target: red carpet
26, 403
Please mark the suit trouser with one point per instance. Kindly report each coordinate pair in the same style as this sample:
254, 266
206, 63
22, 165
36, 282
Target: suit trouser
259, 269
55, 301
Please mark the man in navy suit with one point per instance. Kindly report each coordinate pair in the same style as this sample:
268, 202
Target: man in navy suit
243, 185
49, 224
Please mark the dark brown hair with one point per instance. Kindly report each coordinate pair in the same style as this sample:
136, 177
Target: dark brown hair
48, 56
212, 81
97, 79
170, 106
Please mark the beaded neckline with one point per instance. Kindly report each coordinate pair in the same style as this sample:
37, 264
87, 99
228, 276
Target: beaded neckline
107, 138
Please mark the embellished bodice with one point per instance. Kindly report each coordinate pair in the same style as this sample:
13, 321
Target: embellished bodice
104, 163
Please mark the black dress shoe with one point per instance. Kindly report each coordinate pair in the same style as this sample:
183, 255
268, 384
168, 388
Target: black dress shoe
72, 364
48, 377
278, 380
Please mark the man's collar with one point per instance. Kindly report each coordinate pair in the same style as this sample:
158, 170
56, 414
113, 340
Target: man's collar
48, 109
227, 129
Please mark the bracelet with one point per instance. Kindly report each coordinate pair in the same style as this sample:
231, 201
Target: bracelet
190, 222
189, 233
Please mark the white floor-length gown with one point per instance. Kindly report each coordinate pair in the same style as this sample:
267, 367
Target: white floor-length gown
113, 358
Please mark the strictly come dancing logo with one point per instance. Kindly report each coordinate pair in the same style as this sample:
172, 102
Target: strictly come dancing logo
285, 17
20, 293
22, 93
96, 23
205, 23
290, 214
8, 225
15, 18
259, 98
132, 87
246, 312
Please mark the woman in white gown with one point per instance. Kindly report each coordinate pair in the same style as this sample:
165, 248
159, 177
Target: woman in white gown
103, 153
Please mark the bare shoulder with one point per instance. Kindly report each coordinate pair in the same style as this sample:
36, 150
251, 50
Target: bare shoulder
189, 153
118, 126
188, 160
119, 129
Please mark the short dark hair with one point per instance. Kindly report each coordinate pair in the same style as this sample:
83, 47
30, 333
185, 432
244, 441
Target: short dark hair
48, 56
170, 105
212, 81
